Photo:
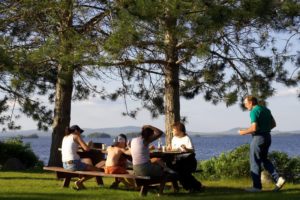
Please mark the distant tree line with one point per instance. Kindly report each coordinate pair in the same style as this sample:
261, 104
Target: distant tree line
98, 135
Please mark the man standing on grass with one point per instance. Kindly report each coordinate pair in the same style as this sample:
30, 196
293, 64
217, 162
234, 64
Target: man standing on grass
262, 122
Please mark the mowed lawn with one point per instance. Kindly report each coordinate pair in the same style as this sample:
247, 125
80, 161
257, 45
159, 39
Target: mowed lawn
44, 185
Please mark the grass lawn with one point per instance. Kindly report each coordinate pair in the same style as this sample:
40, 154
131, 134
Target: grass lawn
44, 185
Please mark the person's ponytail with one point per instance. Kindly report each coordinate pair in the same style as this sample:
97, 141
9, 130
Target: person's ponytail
67, 131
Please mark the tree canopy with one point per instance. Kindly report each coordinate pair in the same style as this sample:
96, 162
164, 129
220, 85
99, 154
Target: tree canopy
221, 49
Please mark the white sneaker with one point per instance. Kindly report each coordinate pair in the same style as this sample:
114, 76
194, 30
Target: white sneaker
279, 184
253, 189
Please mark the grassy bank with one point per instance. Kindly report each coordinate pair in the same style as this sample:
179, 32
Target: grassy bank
41, 185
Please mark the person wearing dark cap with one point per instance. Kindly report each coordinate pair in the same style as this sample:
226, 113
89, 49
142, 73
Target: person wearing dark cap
70, 158
112, 164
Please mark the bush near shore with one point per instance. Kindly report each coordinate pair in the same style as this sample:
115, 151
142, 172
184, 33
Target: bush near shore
235, 164
14, 148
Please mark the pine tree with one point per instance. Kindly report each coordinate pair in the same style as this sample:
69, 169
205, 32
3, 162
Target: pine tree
217, 48
59, 41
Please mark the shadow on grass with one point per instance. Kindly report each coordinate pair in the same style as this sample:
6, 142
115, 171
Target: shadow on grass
39, 196
25, 178
211, 193
237, 194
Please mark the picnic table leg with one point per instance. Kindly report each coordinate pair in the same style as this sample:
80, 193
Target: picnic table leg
66, 182
99, 180
144, 190
175, 187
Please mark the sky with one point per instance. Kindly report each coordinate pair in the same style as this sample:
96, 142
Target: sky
201, 116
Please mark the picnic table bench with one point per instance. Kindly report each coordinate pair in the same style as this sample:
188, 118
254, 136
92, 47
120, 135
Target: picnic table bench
143, 182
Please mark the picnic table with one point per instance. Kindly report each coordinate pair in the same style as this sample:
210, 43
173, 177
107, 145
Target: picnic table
97, 155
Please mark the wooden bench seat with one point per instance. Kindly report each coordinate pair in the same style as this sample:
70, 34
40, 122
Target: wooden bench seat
142, 181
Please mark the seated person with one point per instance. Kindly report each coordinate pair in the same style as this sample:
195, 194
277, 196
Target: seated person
185, 164
114, 165
142, 164
70, 159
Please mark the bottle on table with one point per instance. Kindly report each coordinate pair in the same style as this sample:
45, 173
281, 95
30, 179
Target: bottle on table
159, 147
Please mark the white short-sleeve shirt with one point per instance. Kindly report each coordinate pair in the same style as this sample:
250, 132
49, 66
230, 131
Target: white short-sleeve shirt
177, 142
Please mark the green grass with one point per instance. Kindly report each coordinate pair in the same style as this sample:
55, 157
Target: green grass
42, 185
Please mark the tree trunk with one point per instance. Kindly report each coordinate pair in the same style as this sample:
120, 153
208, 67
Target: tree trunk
172, 105
62, 113
64, 84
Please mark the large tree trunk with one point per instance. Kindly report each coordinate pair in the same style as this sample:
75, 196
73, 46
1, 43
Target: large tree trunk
64, 84
172, 105
62, 113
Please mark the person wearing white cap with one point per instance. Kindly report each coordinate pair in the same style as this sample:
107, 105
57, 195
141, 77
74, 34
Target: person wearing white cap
112, 164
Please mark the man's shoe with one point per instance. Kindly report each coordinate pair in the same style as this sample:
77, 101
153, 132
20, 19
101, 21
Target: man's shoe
253, 189
279, 184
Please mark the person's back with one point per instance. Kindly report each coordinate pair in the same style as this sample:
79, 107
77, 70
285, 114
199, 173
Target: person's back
112, 164
263, 117
113, 155
69, 149
140, 153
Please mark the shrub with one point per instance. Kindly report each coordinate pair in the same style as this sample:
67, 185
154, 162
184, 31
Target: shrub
232, 164
13, 148
288, 167
235, 164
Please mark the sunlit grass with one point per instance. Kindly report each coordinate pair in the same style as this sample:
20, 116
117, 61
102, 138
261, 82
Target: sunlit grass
41, 185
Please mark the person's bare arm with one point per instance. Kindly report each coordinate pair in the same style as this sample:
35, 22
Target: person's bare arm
189, 150
250, 130
157, 133
79, 140
127, 152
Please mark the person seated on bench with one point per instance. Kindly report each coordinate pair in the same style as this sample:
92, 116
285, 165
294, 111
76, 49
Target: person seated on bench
142, 165
115, 164
185, 164
71, 160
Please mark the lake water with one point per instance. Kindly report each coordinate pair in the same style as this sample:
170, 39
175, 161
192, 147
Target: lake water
206, 147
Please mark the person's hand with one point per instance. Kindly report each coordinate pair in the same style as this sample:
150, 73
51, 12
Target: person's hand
240, 131
169, 147
128, 144
152, 147
183, 147
90, 144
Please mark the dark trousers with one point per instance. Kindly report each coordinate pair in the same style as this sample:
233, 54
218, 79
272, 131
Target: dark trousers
259, 154
185, 166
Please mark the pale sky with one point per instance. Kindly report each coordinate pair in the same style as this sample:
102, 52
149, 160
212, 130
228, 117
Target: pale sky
202, 116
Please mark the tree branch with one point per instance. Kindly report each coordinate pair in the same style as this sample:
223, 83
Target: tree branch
231, 64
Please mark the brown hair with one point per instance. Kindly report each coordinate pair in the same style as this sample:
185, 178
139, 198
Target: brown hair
179, 126
253, 99
146, 133
67, 131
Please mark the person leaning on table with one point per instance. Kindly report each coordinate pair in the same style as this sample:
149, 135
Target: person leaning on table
70, 158
262, 122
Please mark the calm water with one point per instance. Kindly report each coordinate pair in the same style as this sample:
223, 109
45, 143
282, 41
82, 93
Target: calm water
206, 147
